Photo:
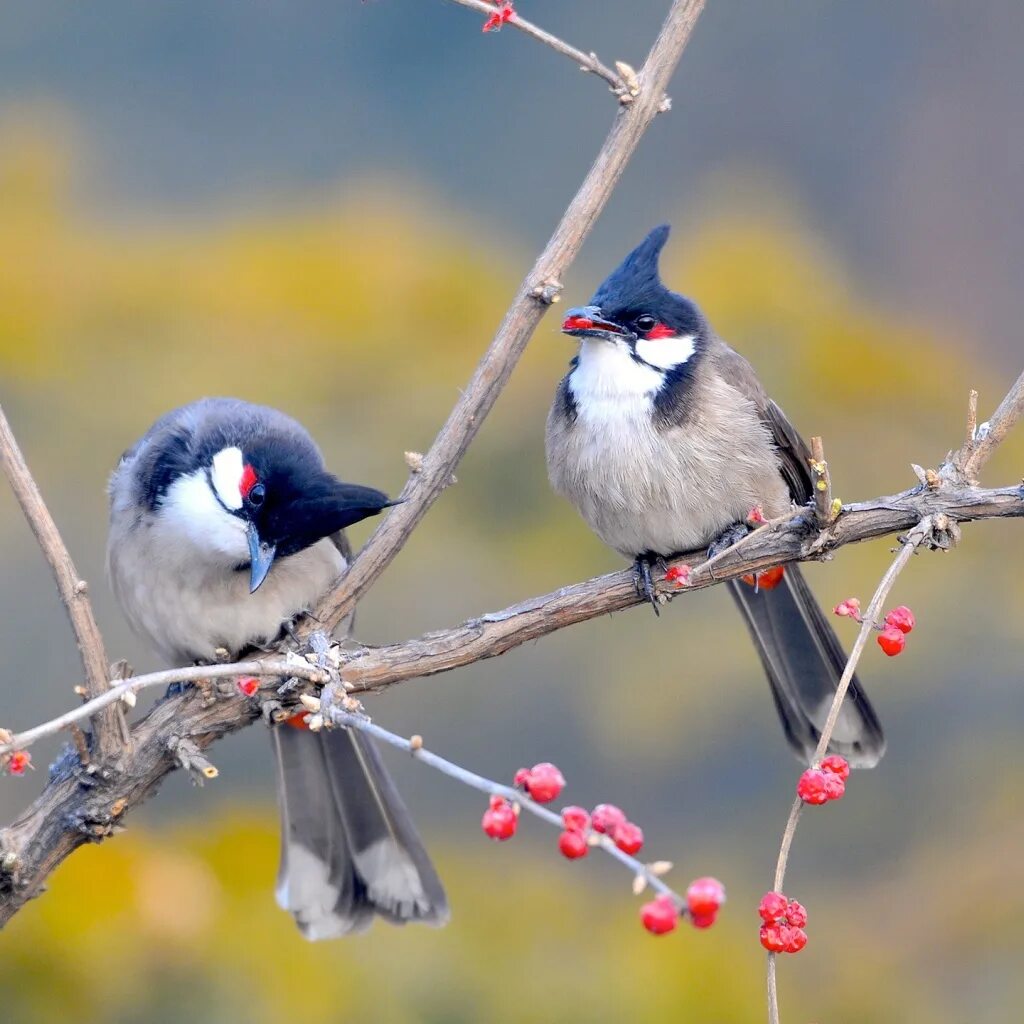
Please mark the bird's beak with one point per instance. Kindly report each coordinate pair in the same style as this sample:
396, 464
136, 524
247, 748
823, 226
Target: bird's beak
587, 322
261, 558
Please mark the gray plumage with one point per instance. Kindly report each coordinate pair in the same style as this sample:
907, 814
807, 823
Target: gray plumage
178, 561
663, 438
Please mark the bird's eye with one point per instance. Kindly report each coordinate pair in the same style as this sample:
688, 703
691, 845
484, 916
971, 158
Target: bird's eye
256, 495
645, 322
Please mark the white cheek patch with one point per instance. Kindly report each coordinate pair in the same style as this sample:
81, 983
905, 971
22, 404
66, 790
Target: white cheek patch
191, 514
607, 370
666, 353
226, 472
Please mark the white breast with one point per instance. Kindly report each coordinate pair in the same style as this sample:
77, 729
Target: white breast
645, 488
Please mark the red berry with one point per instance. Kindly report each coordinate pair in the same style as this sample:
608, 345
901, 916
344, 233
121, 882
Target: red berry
835, 786
500, 819
573, 845
772, 907
19, 762
606, 817
892, 640
521, 777
704, 896
793, 940
628, 837
812, 787
772, 937
703, 920
837, 765
499, 17
770, 578
248, 685
543, 782
575, 819
796, 915
755, 517
679, 575
901, 618
660, 915
850, 607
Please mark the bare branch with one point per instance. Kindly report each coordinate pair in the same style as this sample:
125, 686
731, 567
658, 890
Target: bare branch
73, 589
823, 511
919, 535
979, 449
291, 666
585, 61
540, 288
374, 668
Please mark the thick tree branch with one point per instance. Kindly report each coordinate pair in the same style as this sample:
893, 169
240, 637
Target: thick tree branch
797, 539
74, 591
540, 288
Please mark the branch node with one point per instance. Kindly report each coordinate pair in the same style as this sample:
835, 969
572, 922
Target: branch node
548, 291
191, 758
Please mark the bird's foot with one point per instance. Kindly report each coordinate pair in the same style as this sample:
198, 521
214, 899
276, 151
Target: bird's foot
725, 540
643, 577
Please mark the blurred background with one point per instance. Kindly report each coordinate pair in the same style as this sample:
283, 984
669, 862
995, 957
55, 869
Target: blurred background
327, 207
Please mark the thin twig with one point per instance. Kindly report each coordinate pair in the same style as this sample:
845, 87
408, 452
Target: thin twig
361, 722
277, 666
585, 61
974, 454
822, 484
538, 290
73, 589
913, 540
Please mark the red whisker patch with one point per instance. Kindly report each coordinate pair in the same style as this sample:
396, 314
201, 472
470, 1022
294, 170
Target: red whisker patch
660, 331
248, 481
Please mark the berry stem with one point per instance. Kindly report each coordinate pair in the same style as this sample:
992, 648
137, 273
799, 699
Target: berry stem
917, 536
349, 720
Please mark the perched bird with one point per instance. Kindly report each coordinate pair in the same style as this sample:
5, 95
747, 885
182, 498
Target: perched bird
224, 526
664, 440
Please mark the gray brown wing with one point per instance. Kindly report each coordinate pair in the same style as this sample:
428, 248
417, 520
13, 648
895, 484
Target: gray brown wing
794, 454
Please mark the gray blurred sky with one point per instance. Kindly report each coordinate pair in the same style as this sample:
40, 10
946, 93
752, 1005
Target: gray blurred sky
897, 125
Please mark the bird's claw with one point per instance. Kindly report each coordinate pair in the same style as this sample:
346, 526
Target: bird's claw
729, 536
643, 579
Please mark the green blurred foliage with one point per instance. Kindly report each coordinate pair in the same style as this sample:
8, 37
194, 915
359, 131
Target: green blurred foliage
365, 311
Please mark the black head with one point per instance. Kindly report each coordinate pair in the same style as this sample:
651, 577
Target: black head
245, 484
633, 307
290, 502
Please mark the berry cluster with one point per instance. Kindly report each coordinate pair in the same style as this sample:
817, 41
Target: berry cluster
824, 783
704, 899
582, 829
574, 842
784, 923
892, 636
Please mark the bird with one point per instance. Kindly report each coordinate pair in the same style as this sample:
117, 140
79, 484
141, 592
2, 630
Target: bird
225, 525
665, 441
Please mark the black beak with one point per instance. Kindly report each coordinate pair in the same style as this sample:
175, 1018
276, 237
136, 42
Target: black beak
587, 322
261, 558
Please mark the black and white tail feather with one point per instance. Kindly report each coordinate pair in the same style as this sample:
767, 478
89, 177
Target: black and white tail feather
804, 661
349, 849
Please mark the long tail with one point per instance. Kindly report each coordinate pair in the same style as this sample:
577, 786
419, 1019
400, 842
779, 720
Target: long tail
349, 849
804, 661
